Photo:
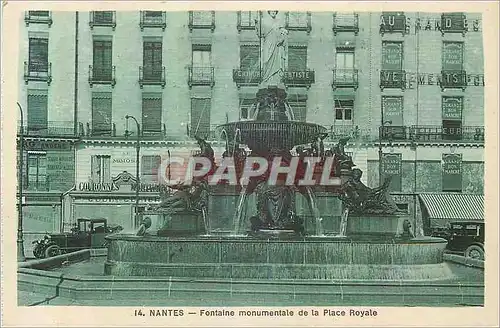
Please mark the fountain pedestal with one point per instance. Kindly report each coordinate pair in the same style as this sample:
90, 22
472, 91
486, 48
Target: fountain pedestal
185, 223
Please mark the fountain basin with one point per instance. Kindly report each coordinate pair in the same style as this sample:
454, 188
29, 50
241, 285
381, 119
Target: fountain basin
300, 258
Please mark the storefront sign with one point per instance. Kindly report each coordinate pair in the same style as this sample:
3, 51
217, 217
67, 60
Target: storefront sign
453, 58
452, 108
452, 172
447, 77
447, 23
60, 169
392, 107
391, 166
47, 145
393, 22
392, 57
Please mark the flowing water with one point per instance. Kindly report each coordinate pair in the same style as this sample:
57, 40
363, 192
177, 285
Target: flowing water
343, 223
311, 200
239, 210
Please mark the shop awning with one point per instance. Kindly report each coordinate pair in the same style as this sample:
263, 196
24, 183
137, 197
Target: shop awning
453, 206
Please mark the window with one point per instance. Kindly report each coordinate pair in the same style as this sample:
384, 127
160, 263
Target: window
100, 169
200, 117
153, 17
151, 113
344, 109
37, 112
297, 58
38, 55
150, 165
343, 19
202, 59
452, 172
298, 103
344, 65
202, 18
103, 17
102, 60
152, 60
37, 171
297, 19
247, 18
249, 58
452, 108
246, 108
101, 113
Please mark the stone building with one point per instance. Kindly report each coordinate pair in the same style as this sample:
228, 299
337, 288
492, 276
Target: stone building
407, 87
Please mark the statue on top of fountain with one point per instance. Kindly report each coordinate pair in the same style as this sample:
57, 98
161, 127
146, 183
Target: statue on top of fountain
360, 199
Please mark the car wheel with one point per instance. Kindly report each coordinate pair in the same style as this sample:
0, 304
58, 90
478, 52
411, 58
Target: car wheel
475, 252
52, 250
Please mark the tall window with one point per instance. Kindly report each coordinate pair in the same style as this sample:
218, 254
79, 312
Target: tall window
344, 65
248, 18
100, 168
150, 165
392, 55
202, 59
37, 111
453, 56
38, 55
202, 18
101, 113
297, 58
151, 112
299, 107
452, 108
343, 111
200, 116
37, 171
153, 17
103, 54
246, 108
152, 60
103, 17
249, 58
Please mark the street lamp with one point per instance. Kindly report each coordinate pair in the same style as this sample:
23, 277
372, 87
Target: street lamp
20, 240
381, 134
137, 177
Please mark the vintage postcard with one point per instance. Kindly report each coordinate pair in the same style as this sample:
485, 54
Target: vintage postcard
227, 164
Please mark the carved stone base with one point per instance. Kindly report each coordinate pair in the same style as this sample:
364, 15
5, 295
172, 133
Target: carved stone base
182, 224
388, 225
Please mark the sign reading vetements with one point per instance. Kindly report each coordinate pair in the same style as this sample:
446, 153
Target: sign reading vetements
452, 172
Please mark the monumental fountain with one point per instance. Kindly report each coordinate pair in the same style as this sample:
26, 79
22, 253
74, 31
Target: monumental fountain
267, 240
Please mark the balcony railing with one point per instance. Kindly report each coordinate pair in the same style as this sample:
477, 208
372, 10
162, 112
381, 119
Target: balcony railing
201, 20
48, 128
432, 133
343, 22
153, 19
453, 23
246, 20
38, 17
99, 130
345, 78
38, 72
298, 21
393, 22
102, 75
201, 76
353, 131
151, 76
392, 79
246, 77
102, 18
453, 79
302, 78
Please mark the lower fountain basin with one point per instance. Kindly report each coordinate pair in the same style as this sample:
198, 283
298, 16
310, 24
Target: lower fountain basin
300, 258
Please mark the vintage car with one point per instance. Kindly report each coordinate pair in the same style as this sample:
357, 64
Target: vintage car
466, 237
88, 233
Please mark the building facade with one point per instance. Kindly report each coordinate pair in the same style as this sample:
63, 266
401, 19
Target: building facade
407, 87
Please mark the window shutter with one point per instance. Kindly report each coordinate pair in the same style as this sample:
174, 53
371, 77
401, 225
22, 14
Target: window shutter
38, 55
151, 113
37, 112
101, 113
299, 109
152, 59
297, 58
200, 117
102, 59
249, 57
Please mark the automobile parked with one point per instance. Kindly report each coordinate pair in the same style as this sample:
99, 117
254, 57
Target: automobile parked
467, 237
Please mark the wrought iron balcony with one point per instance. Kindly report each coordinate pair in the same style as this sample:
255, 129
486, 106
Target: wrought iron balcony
392, 79
201, 20
302, 78
153, 19
158, 132
353, 131
345, 78
246, 77
453, 79
393, 22
47, 128
102, 75
432, 133
151, 76
38, 72
38, 17
102, 18
453, 23
201, 76
246, 20
298, 21
344, 22
99, 130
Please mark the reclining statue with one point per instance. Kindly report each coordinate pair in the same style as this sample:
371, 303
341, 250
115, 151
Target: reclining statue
186, 198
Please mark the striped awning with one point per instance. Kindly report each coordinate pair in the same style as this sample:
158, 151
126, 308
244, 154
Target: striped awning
453, 206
